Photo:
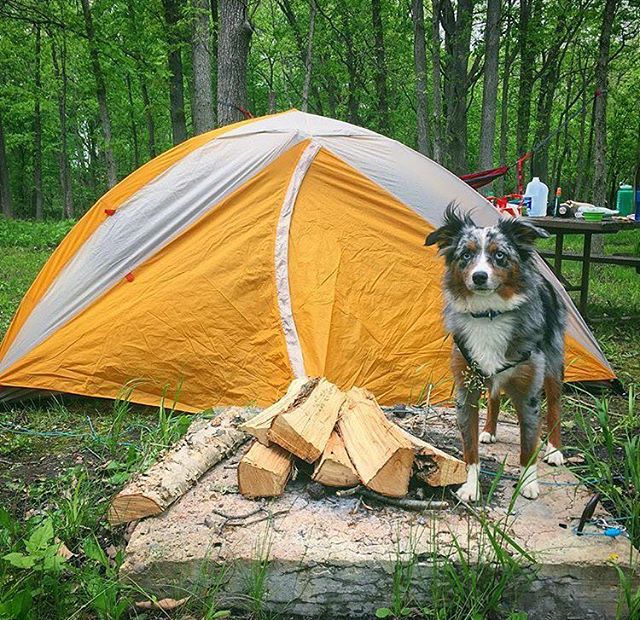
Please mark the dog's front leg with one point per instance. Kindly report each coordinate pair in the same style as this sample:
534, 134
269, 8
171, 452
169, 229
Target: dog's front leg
467, 400
528, 410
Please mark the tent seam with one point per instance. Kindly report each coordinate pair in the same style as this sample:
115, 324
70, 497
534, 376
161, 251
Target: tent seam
281, 261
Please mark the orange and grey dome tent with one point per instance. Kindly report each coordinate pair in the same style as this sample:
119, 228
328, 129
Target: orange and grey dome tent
283, 246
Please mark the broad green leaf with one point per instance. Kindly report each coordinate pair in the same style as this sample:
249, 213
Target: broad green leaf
19, 560
41, 537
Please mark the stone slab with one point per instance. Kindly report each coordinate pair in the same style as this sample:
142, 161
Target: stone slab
335, 557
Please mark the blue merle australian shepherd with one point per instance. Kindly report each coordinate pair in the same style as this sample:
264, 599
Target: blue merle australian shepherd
508, 325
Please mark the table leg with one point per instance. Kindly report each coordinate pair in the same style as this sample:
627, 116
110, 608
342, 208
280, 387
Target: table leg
558, 258
586, 264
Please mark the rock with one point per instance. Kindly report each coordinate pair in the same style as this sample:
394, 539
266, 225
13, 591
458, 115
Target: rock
333, 557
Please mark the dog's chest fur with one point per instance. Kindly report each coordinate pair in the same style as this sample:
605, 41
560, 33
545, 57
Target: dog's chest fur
487, 340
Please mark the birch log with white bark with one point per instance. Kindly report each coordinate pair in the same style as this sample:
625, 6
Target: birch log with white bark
206, 443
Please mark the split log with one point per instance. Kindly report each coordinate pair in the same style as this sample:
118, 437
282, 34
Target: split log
264, 471
434, 466
259, 425
379, 450
335, 469
207, 442
305, 429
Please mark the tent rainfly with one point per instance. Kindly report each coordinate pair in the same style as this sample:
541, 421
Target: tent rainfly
285, 246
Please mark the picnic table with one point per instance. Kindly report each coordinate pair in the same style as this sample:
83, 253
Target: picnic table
560, 227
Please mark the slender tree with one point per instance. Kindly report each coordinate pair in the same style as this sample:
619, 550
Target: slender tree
132, 121
233, 52
457, 23
509, 57
308, 61
101, 93
490, 88
420, 65
5, 187
380, 68
59, 62
37, 127
201, 62
142, 77
600, 103
525, 81
172, 10
436, 79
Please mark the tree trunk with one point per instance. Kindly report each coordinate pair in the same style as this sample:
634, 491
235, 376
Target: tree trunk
581, 160
174, 60
504, 98
600, 105
148, 113
351, 61
436, 76
134, 128
37, 129
308, 62
380, 67
101, 93
525, 82
490, 88
148, 110
60, 71
457, 27
201, 60
5, 188
420, 64
233, 52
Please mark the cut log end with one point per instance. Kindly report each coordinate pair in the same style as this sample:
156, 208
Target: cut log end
264, 471
335, 469
393, 477
259, 425
305, 429
381, 454
125, 508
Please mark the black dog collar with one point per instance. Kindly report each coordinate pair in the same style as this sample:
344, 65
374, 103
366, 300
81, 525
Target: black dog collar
489, 314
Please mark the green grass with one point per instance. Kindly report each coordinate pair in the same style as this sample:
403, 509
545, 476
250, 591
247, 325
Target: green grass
62, 458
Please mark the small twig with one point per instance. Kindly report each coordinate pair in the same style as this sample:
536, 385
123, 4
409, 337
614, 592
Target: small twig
269, 515
246, 515
407, 504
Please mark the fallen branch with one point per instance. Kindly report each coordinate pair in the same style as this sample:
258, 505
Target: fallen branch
207, 442
407, 504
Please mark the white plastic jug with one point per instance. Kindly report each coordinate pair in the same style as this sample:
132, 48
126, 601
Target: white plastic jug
539, 193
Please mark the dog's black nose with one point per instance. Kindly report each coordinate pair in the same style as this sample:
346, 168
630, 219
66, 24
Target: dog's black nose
480, 277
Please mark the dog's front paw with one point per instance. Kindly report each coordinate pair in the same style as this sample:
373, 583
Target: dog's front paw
530, 488
486, 437
553, 456
470, 490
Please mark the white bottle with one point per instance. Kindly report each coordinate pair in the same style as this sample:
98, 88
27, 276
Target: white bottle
539, 193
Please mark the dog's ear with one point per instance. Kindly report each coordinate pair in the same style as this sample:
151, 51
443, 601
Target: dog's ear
446, 235
524, 234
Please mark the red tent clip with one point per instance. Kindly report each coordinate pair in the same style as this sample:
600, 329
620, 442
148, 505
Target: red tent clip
110, 211
130, 277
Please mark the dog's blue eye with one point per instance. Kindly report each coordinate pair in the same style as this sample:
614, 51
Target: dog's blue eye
499, 255
466, 256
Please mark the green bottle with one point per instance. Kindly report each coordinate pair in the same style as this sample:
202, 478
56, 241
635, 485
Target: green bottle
624, 200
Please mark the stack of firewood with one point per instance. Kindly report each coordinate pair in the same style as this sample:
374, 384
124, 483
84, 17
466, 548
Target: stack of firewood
346, 437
